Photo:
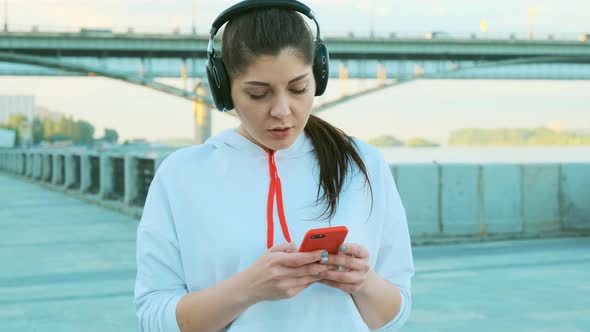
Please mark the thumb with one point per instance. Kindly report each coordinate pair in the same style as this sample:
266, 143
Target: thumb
284, 247
292, 247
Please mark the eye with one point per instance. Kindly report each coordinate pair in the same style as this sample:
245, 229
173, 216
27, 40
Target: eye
299, 92
257, 97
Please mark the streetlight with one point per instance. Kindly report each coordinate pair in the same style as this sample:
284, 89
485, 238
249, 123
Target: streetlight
5, 16
483, 25
372, 18
194, 29
532, 15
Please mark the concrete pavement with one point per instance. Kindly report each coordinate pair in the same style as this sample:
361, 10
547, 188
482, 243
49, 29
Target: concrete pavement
67, 265
526, 285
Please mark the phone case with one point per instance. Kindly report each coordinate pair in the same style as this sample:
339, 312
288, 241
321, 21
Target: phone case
329, 238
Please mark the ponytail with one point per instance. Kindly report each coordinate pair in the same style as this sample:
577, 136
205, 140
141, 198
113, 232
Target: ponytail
335, 152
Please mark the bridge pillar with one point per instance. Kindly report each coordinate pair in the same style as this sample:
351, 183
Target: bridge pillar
47, 170
142, 67
112, 176
72, 170
58, 176
38, 168
30, 164
106, 183
381, 73
183, 73
84, 172
343, 76
131, 175
202, 113
90, 173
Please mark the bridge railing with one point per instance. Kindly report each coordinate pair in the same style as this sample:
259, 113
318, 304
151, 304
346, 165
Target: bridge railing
443, 201
174, 32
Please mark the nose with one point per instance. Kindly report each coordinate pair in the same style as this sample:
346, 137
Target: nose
281, 107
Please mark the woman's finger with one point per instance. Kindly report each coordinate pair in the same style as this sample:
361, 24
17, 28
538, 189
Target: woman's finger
313, 269
354, 249
348, 262
349, 277
298, 259
303, 281
285, 247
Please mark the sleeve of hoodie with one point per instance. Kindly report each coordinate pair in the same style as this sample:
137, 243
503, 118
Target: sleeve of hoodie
394, 258
159, 284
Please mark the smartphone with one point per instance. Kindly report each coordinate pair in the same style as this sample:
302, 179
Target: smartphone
329, 238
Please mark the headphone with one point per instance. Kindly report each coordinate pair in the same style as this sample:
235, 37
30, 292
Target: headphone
217, 75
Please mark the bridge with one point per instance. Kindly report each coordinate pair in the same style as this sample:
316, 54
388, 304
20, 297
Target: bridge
177, 55
489, 240
143, 58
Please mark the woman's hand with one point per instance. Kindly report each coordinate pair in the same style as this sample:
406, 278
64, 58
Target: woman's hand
350, 269
282, 273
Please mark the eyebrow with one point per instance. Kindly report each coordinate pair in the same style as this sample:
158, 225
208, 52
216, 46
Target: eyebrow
298, 78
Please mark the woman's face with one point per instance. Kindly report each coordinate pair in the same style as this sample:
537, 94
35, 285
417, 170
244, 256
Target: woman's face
273, 99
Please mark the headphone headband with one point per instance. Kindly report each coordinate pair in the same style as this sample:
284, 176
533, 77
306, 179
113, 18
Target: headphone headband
248, 5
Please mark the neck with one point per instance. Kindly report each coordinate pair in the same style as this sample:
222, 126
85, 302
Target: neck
244, 133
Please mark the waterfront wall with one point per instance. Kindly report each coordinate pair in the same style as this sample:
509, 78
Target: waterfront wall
442, 201
495, 200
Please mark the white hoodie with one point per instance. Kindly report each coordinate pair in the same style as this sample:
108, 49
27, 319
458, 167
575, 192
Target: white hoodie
205, 219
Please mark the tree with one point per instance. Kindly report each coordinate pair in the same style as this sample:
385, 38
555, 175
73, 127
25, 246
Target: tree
385, 141
38, 131
59, 137
516, 137
65, 127
85, 131
420, 142
17, 120
110, 135
48, 127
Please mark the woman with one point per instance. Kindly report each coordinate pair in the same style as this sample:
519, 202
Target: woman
209, 257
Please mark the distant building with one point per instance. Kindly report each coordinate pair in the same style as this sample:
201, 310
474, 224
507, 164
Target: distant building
24, 105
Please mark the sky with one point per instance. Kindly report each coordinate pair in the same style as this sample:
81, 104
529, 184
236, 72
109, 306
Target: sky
427, 109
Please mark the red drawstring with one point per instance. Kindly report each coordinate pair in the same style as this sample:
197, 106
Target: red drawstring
275, 188
270, 230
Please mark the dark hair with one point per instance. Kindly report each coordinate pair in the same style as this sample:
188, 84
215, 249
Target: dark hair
268, 32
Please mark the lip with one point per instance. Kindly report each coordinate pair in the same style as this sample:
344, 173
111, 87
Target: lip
280, 128
280, 133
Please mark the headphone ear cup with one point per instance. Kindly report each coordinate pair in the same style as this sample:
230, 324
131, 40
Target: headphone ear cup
321, 68
219, 83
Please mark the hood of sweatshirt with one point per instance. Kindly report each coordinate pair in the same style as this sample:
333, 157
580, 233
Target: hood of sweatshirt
231, 139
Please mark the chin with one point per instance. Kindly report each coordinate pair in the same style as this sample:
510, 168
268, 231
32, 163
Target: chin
281, 145
275, 143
